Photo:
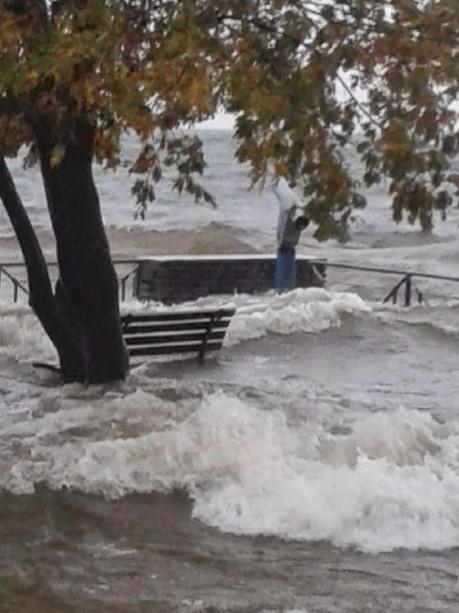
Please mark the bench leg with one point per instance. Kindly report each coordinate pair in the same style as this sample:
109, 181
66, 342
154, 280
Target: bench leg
202, 351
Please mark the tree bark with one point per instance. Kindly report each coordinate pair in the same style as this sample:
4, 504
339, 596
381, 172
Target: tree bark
41, 297
88, 286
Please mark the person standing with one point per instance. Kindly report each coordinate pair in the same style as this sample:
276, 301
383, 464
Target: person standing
291, 222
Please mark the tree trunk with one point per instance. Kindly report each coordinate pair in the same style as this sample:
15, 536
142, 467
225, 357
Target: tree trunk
41, 297
88, 286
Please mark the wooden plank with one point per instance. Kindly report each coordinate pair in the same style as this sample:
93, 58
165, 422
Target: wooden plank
179, 315
173, 338
175, 327
166, 349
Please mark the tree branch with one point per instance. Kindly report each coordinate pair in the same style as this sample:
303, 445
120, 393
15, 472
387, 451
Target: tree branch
273, 30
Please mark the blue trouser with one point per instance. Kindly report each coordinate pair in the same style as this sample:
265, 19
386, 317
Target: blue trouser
285, 276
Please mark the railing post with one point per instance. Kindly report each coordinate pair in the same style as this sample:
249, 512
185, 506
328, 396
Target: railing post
420, 295
408, 280
135, 281
122, 283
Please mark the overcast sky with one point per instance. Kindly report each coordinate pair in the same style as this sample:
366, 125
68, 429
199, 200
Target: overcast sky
221, 121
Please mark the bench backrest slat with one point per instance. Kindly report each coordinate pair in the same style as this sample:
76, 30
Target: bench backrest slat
157, 339
161, 327
180, 315
167, 349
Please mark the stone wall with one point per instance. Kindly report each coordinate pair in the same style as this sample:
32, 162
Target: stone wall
172, 280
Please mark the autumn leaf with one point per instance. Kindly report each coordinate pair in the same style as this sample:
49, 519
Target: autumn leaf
57, 155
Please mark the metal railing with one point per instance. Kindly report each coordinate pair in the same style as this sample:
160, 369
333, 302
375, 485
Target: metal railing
13, 278
13, 274
122, 282
14, 282
406, 282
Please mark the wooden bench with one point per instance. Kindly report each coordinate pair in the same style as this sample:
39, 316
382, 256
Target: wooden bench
168, 332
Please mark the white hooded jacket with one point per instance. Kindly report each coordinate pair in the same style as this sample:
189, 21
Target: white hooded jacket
287, 233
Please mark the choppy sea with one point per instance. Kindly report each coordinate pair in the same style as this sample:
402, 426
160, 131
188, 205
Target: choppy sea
312, 467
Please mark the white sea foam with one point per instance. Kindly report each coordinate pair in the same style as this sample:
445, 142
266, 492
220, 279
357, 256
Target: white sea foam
386, 480
302, 310
21, 336
385, 485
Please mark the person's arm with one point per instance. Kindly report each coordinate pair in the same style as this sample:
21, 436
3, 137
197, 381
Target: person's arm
285, 195
281, 225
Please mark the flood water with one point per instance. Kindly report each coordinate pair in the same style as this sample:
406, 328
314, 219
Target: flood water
312, 467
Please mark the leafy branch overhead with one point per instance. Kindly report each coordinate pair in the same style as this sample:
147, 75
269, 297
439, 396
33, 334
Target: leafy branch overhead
312, 85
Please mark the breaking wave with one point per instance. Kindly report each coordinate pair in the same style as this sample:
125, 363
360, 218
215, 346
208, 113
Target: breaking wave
378, 481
